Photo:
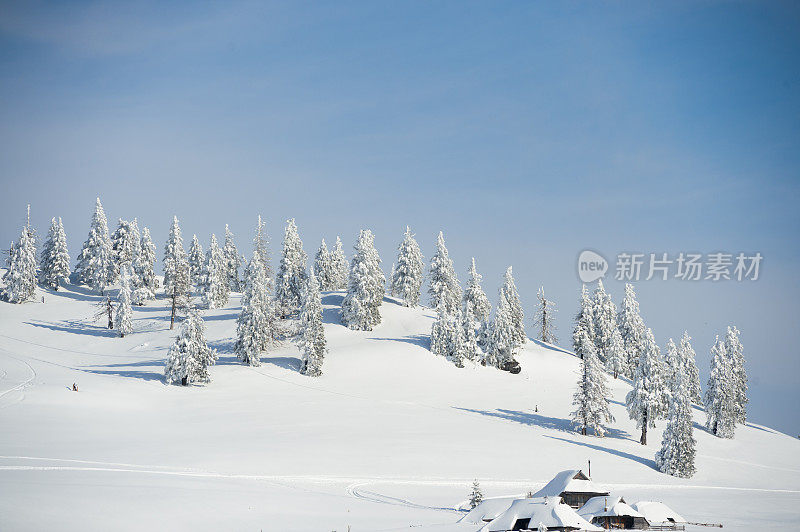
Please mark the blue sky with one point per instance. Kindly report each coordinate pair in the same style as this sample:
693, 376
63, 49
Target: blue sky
526, 131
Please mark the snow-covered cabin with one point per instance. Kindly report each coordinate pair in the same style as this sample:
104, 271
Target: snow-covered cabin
658, 513
488, 509
612, 512
574, 488
528, 514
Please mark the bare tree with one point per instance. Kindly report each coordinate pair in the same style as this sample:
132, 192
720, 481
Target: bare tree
544, 318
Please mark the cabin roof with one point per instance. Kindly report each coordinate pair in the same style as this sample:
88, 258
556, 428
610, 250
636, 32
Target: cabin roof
606, 506
571, 481
549, 511
657, 512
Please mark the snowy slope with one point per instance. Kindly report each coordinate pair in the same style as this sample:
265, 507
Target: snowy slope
389, 436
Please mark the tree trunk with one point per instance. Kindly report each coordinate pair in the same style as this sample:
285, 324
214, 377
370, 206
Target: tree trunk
583, 430
172, 316
110, 311
643, 440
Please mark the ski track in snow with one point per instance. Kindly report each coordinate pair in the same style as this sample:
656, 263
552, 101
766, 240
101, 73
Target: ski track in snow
22, 385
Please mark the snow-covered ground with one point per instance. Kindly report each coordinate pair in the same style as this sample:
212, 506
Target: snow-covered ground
389, 437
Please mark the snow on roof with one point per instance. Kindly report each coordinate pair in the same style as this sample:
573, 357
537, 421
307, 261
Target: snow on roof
549, 511
657, 512
488, 509
572, 480
606, 506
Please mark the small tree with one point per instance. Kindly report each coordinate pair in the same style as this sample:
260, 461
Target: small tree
361, 305
604, 314
261, 245
291, 272
501, 345
323, 267
232, 261
476, 496
447, 337
55, 258
733, 346
215, 287
509, 293
584, 322
254, 326
20, 279
721, 408
632, 328
312, 332
407, 276
475, 297
124, 245
689, 365
591, 398
444, 288
176, 267
124, 315
646, 401
339, 266
144, 273
676, 456
615, 361
196, 263
95, 265
544, 318
189, 358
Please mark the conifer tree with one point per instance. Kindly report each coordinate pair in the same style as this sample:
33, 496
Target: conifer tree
95, 265
261, 245
672, 362
447, 336
591, 398
632, 328
20, 279
509, 292
472, 349
476, 497
676, 456
477, 309
444, 288
720, 400
615, 363
604, 314
501, 344
189, 358
55, 258
544, 318
176, 266
196, 263
407, 276
215, 288
340, 268
124, 245
291, 272
254, 326
312, 332
733, 346
646, 402
124, 314
360, 308
144, 273
687, 356
230, 255
584, 323
323, 268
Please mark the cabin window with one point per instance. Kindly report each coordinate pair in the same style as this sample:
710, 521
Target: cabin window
522, 524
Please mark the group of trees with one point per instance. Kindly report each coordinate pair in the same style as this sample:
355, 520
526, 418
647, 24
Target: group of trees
664, 387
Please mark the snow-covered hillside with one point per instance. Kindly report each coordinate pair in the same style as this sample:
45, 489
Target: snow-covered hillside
390, 436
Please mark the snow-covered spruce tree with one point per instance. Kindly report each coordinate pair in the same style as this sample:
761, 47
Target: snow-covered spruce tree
604, 314
230, 255
312, 332
291, 273
123, 315
124, 245
176, 266
144, 272
476, 496
584, 322
509, 292
615, 361
215, 288
95, 265
196, 263
189, 358
632, 328
672, 362
447, 336
689, 364
501, 345
646, 402
323, 268
477, 308
54, 264
20, 279
735, 350
444, 288
472, 350
544, 318
720, 400
340, 268
254, 326
261, 245
676, 456
360, 308
408, 274
591, 397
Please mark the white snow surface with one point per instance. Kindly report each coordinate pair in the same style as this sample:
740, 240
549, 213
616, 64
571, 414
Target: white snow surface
390, 436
